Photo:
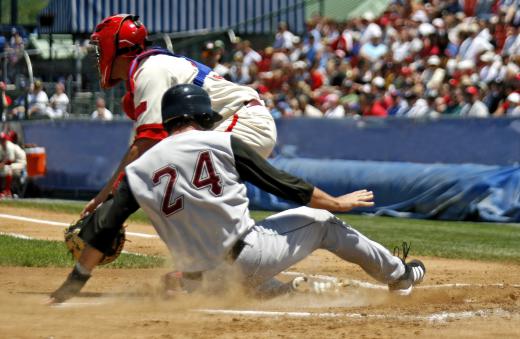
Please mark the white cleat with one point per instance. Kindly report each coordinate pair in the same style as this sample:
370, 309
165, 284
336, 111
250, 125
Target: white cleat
413, 275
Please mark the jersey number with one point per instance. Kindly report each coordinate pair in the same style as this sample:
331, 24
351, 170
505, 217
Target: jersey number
205, 176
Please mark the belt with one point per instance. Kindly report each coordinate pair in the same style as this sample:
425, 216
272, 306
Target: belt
231, 257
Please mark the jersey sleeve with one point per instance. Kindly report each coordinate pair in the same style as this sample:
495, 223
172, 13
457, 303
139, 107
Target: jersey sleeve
151, 82
253, 168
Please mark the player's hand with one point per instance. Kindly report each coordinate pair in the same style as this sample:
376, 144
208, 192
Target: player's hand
91, 206
361, 198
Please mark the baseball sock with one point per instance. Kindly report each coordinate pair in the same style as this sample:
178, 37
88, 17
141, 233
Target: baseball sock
8, 181
82, 270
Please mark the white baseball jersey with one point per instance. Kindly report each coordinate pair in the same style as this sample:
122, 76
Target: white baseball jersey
189, 187
159, 72
14, 158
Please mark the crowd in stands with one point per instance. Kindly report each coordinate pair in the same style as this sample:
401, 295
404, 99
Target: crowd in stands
418, 59
36, 104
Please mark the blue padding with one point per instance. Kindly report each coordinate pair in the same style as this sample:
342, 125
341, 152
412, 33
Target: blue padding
81, 155
449, 192
452, 141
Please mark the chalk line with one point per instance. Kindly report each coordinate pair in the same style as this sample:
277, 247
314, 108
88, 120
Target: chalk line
433, 317
437, 317
17, 235
61, 224
369, 285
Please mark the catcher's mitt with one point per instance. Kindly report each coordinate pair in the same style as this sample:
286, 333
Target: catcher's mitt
76, 244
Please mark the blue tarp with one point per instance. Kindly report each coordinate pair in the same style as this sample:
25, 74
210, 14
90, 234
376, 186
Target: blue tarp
436, 191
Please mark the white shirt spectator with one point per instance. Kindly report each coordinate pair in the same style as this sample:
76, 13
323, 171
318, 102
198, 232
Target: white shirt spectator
372, 30
476, 46
101, 112
476, 110
38, 101
419, 109
58, 105
284, 40
335, 112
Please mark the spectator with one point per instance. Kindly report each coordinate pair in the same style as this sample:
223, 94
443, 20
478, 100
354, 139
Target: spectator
12, 162
37, 102
474, 108
212, 56
284, 38
375, 49
59, 102
101, 112
510, 106
332, 107
6, 101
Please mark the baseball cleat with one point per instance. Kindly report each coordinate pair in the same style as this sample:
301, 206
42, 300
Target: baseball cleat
413, 275
70, 288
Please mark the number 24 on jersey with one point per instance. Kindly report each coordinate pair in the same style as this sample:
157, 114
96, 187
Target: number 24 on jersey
210, 181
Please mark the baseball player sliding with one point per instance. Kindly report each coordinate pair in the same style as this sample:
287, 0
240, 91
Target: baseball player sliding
123, 55
191, 185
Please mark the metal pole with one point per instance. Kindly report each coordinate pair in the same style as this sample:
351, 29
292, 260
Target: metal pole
5, 67
31, 82
79, 79
322, 8
168, 42
14, 12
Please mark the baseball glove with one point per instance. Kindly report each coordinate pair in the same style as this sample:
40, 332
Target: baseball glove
76, 244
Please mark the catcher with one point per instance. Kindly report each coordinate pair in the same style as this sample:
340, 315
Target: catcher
124, 55
191, 187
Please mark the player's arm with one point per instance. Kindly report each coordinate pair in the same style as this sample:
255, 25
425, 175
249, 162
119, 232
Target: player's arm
136, 149
98, 232
256, 170
150, 85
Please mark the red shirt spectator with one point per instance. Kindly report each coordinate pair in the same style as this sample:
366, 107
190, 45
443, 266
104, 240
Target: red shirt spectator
376, 110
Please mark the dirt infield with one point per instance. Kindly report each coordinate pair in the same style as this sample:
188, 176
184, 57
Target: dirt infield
458, 299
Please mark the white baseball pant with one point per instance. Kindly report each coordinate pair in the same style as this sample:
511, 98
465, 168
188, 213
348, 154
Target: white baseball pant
254, 125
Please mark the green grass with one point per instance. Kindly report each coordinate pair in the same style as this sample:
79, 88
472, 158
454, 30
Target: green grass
45, 253
445, 239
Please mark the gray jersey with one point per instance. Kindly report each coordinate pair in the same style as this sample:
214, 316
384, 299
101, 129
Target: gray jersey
189, 187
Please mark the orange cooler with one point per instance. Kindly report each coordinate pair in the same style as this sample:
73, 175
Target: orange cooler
36, 161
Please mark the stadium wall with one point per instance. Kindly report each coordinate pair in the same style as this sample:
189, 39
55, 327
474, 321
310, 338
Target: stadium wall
457, 169
451, 141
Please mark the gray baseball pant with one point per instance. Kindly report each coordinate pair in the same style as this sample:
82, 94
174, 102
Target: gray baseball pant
282, 240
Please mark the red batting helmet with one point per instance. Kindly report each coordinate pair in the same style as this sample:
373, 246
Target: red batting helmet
121, 34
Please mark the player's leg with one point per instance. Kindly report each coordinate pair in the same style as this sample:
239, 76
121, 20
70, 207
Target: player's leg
254, 125
286, 238
7, 176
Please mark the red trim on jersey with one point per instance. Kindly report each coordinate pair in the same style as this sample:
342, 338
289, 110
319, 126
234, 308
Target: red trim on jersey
150, 131
140, 109
118, 181
233, 123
